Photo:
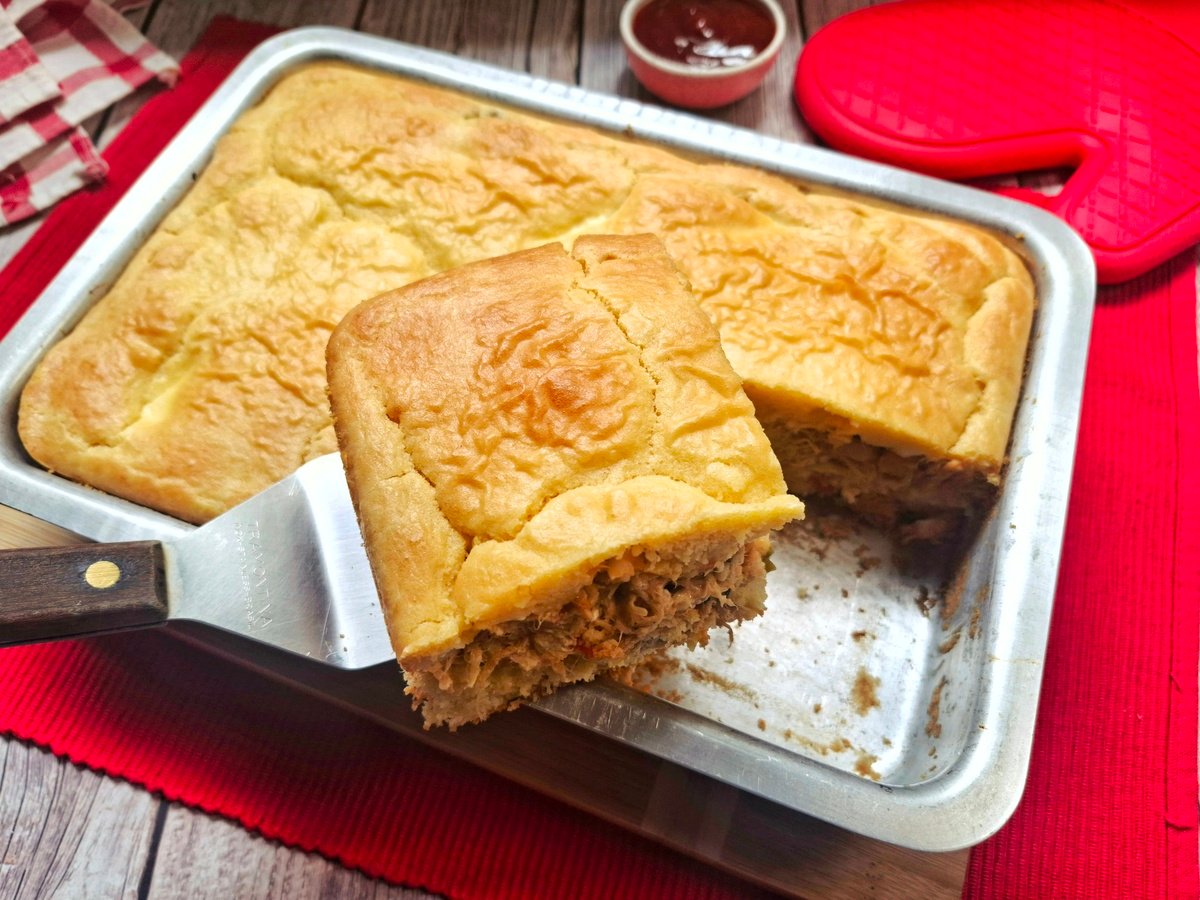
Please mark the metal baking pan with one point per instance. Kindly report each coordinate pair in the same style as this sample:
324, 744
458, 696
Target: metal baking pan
872, 699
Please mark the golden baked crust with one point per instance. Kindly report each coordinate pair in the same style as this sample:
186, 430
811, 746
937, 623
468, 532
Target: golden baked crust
912, 331
512, 425
198, 380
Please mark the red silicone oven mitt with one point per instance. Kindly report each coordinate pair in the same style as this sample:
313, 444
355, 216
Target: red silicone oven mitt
968, 88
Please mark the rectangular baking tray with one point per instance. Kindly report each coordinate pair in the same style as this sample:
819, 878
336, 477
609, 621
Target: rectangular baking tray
875, 700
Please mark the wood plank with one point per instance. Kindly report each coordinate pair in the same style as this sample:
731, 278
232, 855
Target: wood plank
492, 31
523, 35
18, 529
174, 25
554, 46
205, 856
66, 831
602, 65
834, 864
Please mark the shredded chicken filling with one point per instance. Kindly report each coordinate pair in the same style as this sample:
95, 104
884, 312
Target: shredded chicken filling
921, 498
619, 618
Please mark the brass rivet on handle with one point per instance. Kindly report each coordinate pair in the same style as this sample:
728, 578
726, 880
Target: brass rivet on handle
102, 574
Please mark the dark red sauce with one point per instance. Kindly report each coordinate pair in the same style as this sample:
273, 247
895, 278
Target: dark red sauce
709, 34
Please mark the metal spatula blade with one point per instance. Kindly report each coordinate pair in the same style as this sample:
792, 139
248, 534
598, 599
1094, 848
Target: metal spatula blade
286, 568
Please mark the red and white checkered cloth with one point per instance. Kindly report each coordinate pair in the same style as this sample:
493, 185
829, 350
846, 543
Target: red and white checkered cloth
62, 61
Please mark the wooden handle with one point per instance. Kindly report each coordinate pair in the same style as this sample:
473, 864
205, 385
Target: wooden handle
59, 592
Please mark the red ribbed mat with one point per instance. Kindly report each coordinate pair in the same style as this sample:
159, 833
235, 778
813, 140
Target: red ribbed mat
1111, 806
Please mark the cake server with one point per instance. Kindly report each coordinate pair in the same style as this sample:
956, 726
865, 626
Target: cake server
286, 567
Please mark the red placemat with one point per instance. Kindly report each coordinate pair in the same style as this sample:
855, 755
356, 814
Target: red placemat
1110, 808
1112, 796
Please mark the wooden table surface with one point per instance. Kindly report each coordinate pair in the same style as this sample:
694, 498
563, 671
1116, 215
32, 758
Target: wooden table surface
69, 832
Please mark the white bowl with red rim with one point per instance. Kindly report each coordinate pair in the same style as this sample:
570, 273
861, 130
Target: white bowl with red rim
709, 80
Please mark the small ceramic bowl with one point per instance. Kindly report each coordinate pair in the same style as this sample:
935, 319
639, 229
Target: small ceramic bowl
695, 87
